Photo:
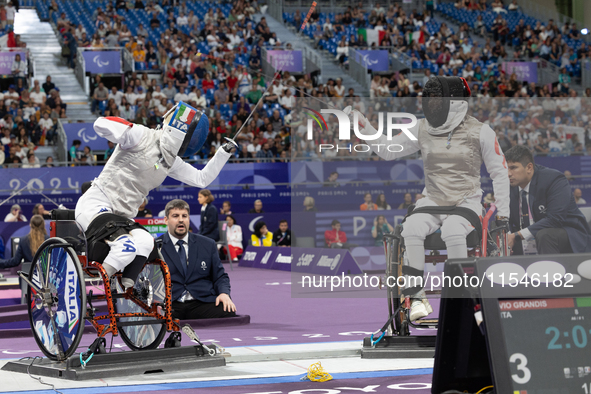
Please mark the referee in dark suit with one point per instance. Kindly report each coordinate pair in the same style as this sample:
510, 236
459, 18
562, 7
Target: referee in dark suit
200, 285
543, 208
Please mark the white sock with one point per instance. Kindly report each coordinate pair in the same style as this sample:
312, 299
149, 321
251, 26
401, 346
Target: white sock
127, 283
457, 248
110, 269
415, 250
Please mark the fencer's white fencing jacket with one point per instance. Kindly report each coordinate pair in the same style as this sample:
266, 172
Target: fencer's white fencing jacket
453, 175
141, 161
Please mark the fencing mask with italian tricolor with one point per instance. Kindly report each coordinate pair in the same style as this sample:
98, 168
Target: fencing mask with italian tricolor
188, 124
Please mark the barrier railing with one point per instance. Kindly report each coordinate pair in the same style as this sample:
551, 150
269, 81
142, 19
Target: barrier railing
275, 9
61, 148
586, 74
358, 70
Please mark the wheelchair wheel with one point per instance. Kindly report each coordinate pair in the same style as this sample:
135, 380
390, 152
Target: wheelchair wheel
57, 299
146, 332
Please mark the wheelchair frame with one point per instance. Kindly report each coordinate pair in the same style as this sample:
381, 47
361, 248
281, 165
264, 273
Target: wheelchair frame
398, 323
57, 295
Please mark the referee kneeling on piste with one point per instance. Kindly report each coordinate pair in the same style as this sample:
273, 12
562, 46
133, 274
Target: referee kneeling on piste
200, 285
544, 216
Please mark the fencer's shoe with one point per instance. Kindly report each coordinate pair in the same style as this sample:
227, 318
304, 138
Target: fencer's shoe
419, 306
143, 291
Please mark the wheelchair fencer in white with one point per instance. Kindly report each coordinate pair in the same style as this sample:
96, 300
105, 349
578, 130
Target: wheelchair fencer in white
453, 146
141, 161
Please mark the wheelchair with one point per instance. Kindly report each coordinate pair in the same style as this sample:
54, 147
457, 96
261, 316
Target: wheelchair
59, 305
489, 238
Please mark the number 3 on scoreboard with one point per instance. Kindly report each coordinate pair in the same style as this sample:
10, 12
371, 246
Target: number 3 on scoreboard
521, 361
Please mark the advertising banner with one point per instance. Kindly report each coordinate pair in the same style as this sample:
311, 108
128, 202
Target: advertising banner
102, 62
308, 260
286, 60
525, 71
6, 60
376, 60
86, 134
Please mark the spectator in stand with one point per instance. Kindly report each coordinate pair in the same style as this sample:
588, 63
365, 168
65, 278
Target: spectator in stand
144, 212
48, 162
380, 227
234, 237
382, 204
309, 204
28, 245
139, 53
258, 207
15, 215
48, 85
282, 236
579, 197
100, 94
407, 201
32, 161
209, 215
37, 95
226, 208
336, 238
109, 151
18, 69
261, 235
331, 181
368, 204
71, 43
74, 151
3, 16
39, 209
265, 154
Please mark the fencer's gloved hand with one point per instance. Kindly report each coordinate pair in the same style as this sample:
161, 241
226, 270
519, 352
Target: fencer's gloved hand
229, 145
364, 126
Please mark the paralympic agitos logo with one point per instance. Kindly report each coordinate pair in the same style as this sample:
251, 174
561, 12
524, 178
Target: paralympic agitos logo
392, 123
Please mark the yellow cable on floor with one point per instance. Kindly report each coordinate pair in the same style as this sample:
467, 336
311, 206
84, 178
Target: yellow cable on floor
317, 374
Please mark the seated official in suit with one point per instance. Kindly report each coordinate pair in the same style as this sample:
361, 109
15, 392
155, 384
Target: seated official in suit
282, 236
200, 286
544, 215
27, 247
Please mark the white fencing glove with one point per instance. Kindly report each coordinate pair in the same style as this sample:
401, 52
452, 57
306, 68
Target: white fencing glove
229, 145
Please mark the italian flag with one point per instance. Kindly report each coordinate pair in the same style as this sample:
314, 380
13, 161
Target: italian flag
418, 36
372, 35
185, 114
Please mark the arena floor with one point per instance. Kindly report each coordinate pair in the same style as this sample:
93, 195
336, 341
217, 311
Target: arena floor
270, 355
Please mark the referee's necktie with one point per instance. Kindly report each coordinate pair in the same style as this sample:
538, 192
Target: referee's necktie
524, 210
182, 254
